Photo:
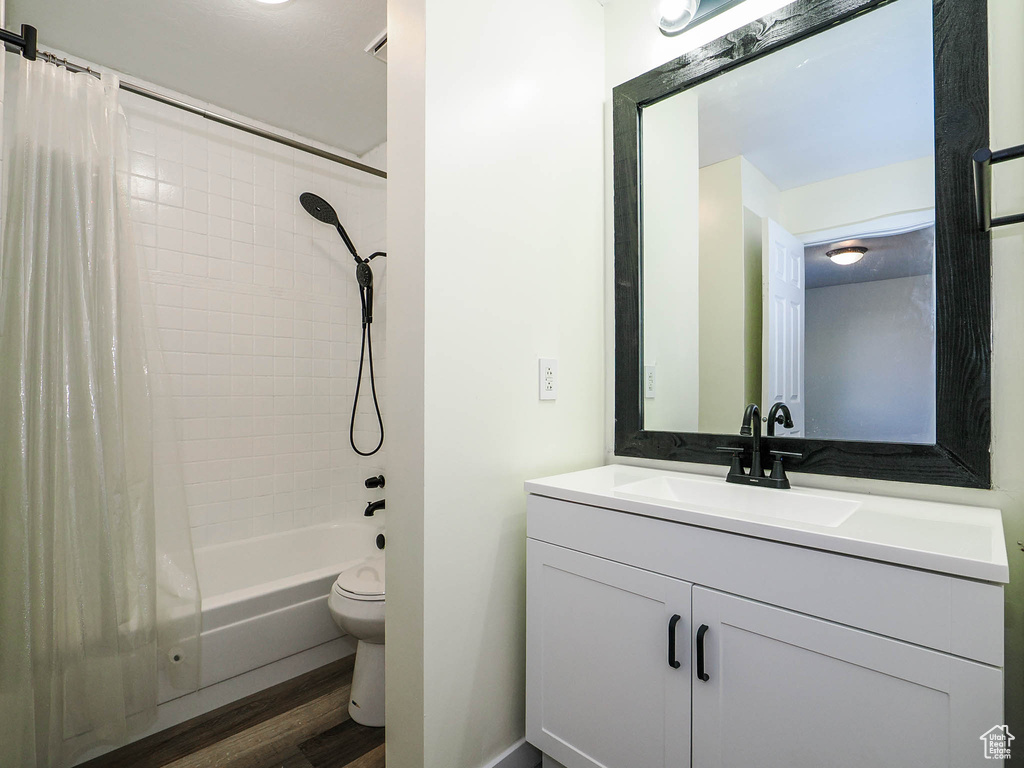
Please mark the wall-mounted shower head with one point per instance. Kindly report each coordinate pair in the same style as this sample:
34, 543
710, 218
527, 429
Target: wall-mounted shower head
321, 210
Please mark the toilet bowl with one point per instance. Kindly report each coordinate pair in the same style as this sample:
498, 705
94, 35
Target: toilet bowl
357, 605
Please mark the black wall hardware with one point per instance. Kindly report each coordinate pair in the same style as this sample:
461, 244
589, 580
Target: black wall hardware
374, 482
960, 455
701, 674
380, 541
25, 43
373, 506
672, 660
984, 159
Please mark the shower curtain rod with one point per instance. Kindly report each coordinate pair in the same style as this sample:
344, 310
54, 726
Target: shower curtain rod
25, 44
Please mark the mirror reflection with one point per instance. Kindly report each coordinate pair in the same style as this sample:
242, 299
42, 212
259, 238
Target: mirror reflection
788, 238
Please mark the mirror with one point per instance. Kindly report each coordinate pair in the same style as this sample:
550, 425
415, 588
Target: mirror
748, 181
793, 225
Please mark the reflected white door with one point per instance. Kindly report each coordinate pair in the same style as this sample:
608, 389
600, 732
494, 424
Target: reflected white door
783, 323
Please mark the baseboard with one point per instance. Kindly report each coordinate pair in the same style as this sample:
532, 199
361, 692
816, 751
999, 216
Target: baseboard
519, 755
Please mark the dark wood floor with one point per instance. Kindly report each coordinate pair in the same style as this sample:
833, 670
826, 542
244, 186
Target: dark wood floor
302, 723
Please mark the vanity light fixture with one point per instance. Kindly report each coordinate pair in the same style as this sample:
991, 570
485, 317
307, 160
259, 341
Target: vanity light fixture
675, 15
848, 255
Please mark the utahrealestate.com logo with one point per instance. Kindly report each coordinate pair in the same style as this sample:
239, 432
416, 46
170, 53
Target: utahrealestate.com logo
997, 743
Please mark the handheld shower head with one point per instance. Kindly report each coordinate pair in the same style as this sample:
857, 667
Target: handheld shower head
321, 210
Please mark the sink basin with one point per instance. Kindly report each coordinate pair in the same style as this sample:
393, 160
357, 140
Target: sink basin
720, 496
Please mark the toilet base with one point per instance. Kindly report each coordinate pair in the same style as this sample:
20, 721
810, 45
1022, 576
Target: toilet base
366, 706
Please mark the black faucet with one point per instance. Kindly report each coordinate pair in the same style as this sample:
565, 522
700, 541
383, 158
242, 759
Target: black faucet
752, 428
372, 507
779, 414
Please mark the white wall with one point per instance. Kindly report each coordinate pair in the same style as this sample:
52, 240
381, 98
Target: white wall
634, 45
734, 194
500, 106
406, 338
3, 75
671, 211
860, 197
870, 361
259, 319
723, 327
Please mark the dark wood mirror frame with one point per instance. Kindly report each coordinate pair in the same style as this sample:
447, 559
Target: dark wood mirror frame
960, 455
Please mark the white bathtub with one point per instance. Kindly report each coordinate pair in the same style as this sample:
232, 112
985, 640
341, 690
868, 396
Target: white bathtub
265, 617
265, 598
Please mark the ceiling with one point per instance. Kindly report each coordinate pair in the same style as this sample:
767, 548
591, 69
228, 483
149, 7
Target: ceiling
299, 65
855, 97
890, 256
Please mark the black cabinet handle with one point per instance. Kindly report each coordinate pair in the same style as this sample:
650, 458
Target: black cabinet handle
701, 674
672, 660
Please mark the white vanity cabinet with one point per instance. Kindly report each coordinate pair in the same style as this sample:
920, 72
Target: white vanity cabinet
785, 655
610, 674
786, 690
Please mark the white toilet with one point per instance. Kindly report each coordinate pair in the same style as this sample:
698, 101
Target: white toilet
357, 605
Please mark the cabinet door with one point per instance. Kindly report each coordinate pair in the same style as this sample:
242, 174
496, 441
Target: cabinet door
600, 689
786, 690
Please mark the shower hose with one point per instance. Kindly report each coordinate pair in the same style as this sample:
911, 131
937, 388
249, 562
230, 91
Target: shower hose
365, 345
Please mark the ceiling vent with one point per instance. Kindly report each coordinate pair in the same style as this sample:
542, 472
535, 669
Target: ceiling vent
378, 47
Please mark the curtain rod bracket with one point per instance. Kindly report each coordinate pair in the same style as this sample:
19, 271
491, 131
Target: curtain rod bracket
25, 43
30, 36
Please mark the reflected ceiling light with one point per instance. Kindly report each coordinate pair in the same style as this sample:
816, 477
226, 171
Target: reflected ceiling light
675, 15
271, 2
851, 254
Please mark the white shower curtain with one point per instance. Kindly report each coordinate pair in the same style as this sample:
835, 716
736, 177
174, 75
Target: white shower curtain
98, 594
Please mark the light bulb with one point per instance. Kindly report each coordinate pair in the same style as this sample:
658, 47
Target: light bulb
844, 257
675, 15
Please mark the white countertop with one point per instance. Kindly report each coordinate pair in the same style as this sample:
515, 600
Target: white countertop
946, 538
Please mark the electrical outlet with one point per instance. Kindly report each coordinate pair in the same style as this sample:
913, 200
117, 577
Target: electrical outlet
649, 380
548, 376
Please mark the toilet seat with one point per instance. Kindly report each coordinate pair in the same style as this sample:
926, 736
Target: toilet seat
363, 581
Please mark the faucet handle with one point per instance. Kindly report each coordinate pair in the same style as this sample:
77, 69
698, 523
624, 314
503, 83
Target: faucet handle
736, 467
778, 473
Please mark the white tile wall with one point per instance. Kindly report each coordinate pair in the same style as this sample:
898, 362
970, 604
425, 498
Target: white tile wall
259, 319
